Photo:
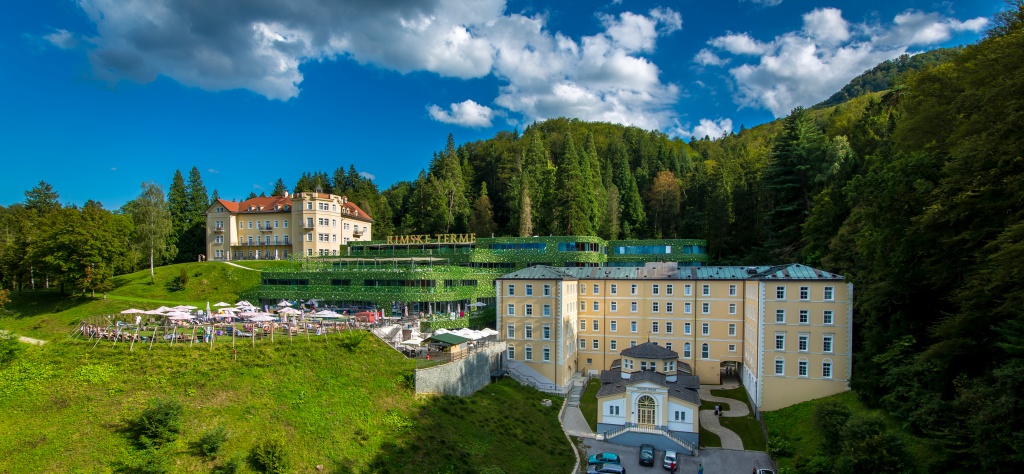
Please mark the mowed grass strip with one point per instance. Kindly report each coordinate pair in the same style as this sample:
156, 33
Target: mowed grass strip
588, 402
747, 427
356, 411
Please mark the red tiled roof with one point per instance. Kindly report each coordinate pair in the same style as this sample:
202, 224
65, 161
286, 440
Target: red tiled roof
267, 202
355, 211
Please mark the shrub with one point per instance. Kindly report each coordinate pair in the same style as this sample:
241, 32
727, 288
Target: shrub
270, 456
9, 348
867, 446
351, 339
180, 282
778, 447
829, 417
150, 461
230, 466
211, 441
159, 423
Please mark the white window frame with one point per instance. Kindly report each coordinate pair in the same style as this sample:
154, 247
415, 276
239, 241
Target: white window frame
803, 342
686, 350
633, 326
547, 290
780, 341
780, 292
826, 369
687, 329
705, 290
780, 366
828, 317
830, 293
510, 309
801, 368
732, 329
529, 289
613, 345
805, 293
732, 308
705, 308
614, 306
614, 289
511, 289
705, 329
687, 290
780, 316
510, 331
828, 343
732, 290
613, 325
668, 289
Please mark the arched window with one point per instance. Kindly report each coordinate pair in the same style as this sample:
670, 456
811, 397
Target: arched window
705, 351
646, 408
801, 367
686, 350
826, 369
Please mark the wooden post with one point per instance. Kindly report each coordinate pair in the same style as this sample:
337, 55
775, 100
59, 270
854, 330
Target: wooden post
193, 339
131, 346
174, 335
116, 336
151, 341
212, 335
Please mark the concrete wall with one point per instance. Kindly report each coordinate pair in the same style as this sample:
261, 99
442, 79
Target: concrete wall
462, 377
659, 442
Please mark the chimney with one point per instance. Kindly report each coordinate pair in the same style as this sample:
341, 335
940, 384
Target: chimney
285, 193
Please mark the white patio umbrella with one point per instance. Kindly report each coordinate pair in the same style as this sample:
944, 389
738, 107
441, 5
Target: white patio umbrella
289, 311
415, 341
154, 311
181, 317
243, 303
222, 304
185, 307
477, 304
261, 318
163, 309
174, 314
283, 303
133, 311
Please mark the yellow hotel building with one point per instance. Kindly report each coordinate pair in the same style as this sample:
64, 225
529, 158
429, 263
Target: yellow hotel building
277, 227
784, 330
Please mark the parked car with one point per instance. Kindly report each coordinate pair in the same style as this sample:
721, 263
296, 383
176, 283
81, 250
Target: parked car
646, 455
669, 459
611, 458
606, 468
238, 332
763, 471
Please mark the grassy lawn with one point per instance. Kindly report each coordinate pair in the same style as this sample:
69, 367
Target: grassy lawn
588, 402
65, 404
747, 427
795, 424
350, 411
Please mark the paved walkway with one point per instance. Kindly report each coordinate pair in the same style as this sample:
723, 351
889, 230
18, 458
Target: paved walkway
233, 264
573, 422
710, 422
29, 340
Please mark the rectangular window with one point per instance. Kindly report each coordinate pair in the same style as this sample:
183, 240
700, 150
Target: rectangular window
805, 292
804, 318
547, 310
633, 306
668, 345
583, 289
687, 290
732, 308
285, 224
732, 290
583, 343
597, 325
583, 325
654, 327
241, 225
631, 344
732, 347
801, 368
632, 289
250, 224
826, 343
780, 292
668, 327
802, 342
655, 289
705, 290
528, 331
687, 308
510, 331
614, 307
597, 344
654, 307
780, 367
528, 309
829, 293
780, 341
668, 290
613, 410
528, 353
511, 309
547, 331
613, 325
597, 306
583, 306
686, 328
597, 289
780, 316
632, 326
612, 345
732, 329
705, 329
686, 350
547, 290
529, 290
826, 317
705, 308
826, 370
615, 289
680, 416
511, 290
511, 352
668, 306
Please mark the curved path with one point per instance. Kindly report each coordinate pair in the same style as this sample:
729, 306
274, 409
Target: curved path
710, 422
233, 264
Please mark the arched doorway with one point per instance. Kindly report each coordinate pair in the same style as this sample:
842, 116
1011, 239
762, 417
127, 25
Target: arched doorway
645, 411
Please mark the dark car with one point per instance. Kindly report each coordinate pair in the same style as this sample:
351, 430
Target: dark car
611, 458
606, 468
646, 455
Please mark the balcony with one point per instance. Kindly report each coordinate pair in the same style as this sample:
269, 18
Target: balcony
357, 233
218, 228
264, 228
263, 244
308, 226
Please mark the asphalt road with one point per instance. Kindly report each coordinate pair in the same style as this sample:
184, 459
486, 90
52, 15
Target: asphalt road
715, 461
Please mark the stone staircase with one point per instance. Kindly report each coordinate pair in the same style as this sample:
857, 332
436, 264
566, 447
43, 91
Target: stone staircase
578, 383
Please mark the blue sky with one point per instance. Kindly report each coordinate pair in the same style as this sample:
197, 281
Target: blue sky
97, 96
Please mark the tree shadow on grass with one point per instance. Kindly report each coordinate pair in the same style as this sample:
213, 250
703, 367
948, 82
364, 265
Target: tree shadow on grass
31, 303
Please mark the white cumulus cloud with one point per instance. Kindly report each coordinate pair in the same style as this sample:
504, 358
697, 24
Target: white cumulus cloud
261, 45
706, 57
711, 128
467, 114
367, 175
62, 39
805, 67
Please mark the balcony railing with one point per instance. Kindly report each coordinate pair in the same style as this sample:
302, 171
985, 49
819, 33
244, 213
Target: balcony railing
262, 244
218, 228
357, 233
263, 228
308, 226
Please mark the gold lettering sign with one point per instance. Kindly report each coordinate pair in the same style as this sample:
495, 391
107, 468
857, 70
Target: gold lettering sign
431, 239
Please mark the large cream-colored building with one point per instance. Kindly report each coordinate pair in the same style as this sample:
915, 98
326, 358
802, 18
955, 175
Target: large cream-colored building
784, 330
277, 227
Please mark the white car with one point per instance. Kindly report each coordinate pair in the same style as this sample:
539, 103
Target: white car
669, 460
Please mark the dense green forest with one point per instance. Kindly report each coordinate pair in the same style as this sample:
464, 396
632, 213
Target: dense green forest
915, 193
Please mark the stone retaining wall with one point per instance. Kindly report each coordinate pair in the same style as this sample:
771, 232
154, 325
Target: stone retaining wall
462, 377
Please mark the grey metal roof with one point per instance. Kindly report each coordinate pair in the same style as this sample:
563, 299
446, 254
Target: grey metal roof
650, 350
601, 273
684, 388
795, 271
539, 272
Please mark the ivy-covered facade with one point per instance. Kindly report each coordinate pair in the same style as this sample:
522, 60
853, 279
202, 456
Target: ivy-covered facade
382, 272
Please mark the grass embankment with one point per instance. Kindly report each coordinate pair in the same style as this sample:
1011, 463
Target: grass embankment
66, 405
45, 314
747, 427
588, 402
795, 424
